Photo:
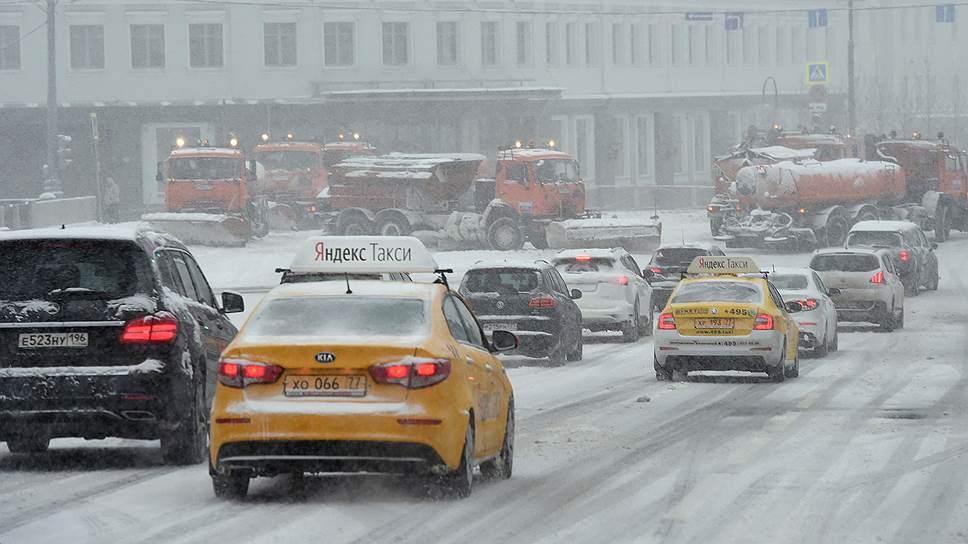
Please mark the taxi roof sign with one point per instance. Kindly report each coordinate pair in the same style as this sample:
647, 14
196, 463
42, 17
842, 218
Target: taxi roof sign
363, 255
722, 265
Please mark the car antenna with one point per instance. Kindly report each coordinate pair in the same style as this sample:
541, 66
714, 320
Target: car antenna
348, 290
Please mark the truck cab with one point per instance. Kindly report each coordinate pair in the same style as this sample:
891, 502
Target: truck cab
293, 170
541, 184
206, 179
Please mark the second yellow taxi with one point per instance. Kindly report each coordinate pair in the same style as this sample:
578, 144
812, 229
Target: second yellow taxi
726, 316
363, 376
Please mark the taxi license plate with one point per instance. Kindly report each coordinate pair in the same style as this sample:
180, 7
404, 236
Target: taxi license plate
491, 327
714, 323
40, 340
320, 385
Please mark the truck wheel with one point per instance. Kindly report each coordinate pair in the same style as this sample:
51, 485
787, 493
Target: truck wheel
394, 226
538, 238
835, 231
355, 226
942, 227
505, 235
715, 225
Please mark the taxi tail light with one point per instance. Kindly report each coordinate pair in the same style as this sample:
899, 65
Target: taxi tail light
542, 302
878, 278
905, 256
667, 322
763, 322
412, 374
150, 329
236, 373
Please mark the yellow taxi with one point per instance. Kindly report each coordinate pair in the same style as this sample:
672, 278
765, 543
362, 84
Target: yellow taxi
726, 315
363, 376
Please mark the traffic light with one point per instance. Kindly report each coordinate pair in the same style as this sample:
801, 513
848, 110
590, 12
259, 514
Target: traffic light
64, 158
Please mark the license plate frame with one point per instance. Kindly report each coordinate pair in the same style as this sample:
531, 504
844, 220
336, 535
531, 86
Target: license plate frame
491, 327
715, 323
325, 385
52, 340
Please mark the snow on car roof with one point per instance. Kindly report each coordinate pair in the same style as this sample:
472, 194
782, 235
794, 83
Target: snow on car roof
846, 251
200, 151
360, 288
781, 153
127, 231
510, 263
591, 252
879, 226
690, 245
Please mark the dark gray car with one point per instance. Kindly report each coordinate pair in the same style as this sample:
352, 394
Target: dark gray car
913, 254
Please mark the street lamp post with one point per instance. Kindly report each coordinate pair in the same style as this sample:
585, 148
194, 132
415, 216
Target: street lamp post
851, 104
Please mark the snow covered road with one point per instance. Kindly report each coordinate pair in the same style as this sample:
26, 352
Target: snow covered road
867, 445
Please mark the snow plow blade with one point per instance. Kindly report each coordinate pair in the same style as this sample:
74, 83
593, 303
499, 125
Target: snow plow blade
201, 228
283, 216
631, 234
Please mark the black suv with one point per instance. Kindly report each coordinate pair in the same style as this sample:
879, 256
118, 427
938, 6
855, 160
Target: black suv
107, 332
914, 255
533, 302
666, 268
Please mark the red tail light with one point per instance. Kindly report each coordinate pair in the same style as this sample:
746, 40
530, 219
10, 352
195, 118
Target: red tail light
150, 329
583, 258
240, 373
623, 280
809, 303
542, 302
667, 322
764, 322
655, 269
904, 256
878, 278
413, 374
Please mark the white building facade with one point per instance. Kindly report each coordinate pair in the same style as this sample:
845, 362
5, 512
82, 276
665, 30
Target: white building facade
644, 96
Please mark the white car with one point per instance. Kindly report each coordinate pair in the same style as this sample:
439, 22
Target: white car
869, 288
615, 294
818, 318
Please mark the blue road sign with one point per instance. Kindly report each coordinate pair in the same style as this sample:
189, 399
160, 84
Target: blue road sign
817, 18
818, 73
733, 21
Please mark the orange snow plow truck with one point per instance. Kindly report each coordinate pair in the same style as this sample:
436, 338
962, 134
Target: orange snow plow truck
806, 203
210, 197
536, 195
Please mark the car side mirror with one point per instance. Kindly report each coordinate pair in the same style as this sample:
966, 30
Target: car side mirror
575, 294
503, 341
232, 303
833, 291
934, 245
793, 307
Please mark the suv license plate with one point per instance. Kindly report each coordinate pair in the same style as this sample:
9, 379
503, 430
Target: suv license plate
491, 327
39, 340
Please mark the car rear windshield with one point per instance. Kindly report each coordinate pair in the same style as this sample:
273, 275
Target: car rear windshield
845, 263
290, 277
51, 269
501, 280
339, 316
874, 238
718, 291
675, 256
789, 281
576, 266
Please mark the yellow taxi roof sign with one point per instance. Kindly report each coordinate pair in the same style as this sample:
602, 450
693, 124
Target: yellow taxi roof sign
363, 255
722, 265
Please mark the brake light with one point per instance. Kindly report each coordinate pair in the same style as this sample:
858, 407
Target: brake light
240, 373
150, 329
904, 256
667, 322
809, 304
542, 302
412, 374
583, 258
623, 280
655, 269
763, 322
878, 278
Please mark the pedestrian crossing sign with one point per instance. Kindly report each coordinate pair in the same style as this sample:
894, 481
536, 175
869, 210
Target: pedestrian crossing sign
818, 73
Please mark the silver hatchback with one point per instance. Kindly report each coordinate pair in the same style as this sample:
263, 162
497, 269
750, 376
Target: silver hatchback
870, 289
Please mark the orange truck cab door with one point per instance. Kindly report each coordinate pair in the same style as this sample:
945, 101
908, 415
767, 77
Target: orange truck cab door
514, 186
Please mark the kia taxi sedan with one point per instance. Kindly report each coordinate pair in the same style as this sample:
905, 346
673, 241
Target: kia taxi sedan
374, 376
720, 320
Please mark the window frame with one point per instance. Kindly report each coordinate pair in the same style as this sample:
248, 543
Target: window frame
338, 49
87, 43
394, 36
207, 52
11, 48
280, 41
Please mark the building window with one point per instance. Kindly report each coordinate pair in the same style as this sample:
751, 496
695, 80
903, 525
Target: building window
764, 44
87, 47
734, 46
781, 45
489, 43
681, 155
339, 44
585, 145
618, 43
635, 44
643, 143
552, 52
675, 42
700, 144
280, 44
796, 45
653, 38
447, 43
710, 44
749, 49
9, 47
571, 43
620, 148
396, 44
523, 41
205, 45
591, 43
147, 46
695, 44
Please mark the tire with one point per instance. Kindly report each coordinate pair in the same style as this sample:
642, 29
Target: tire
778, 373
355, 226
715, 225
899, 323
914, 289
835, 231
28, 445
822, 348
460, 482
505, 235
887, 323
942, 227
501, 467
538, 238
187, 444
935, 279
645, 328
577, 353
836, 345
230, 485
393, 225
558, 354
630, 330
794, 371
661, 373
